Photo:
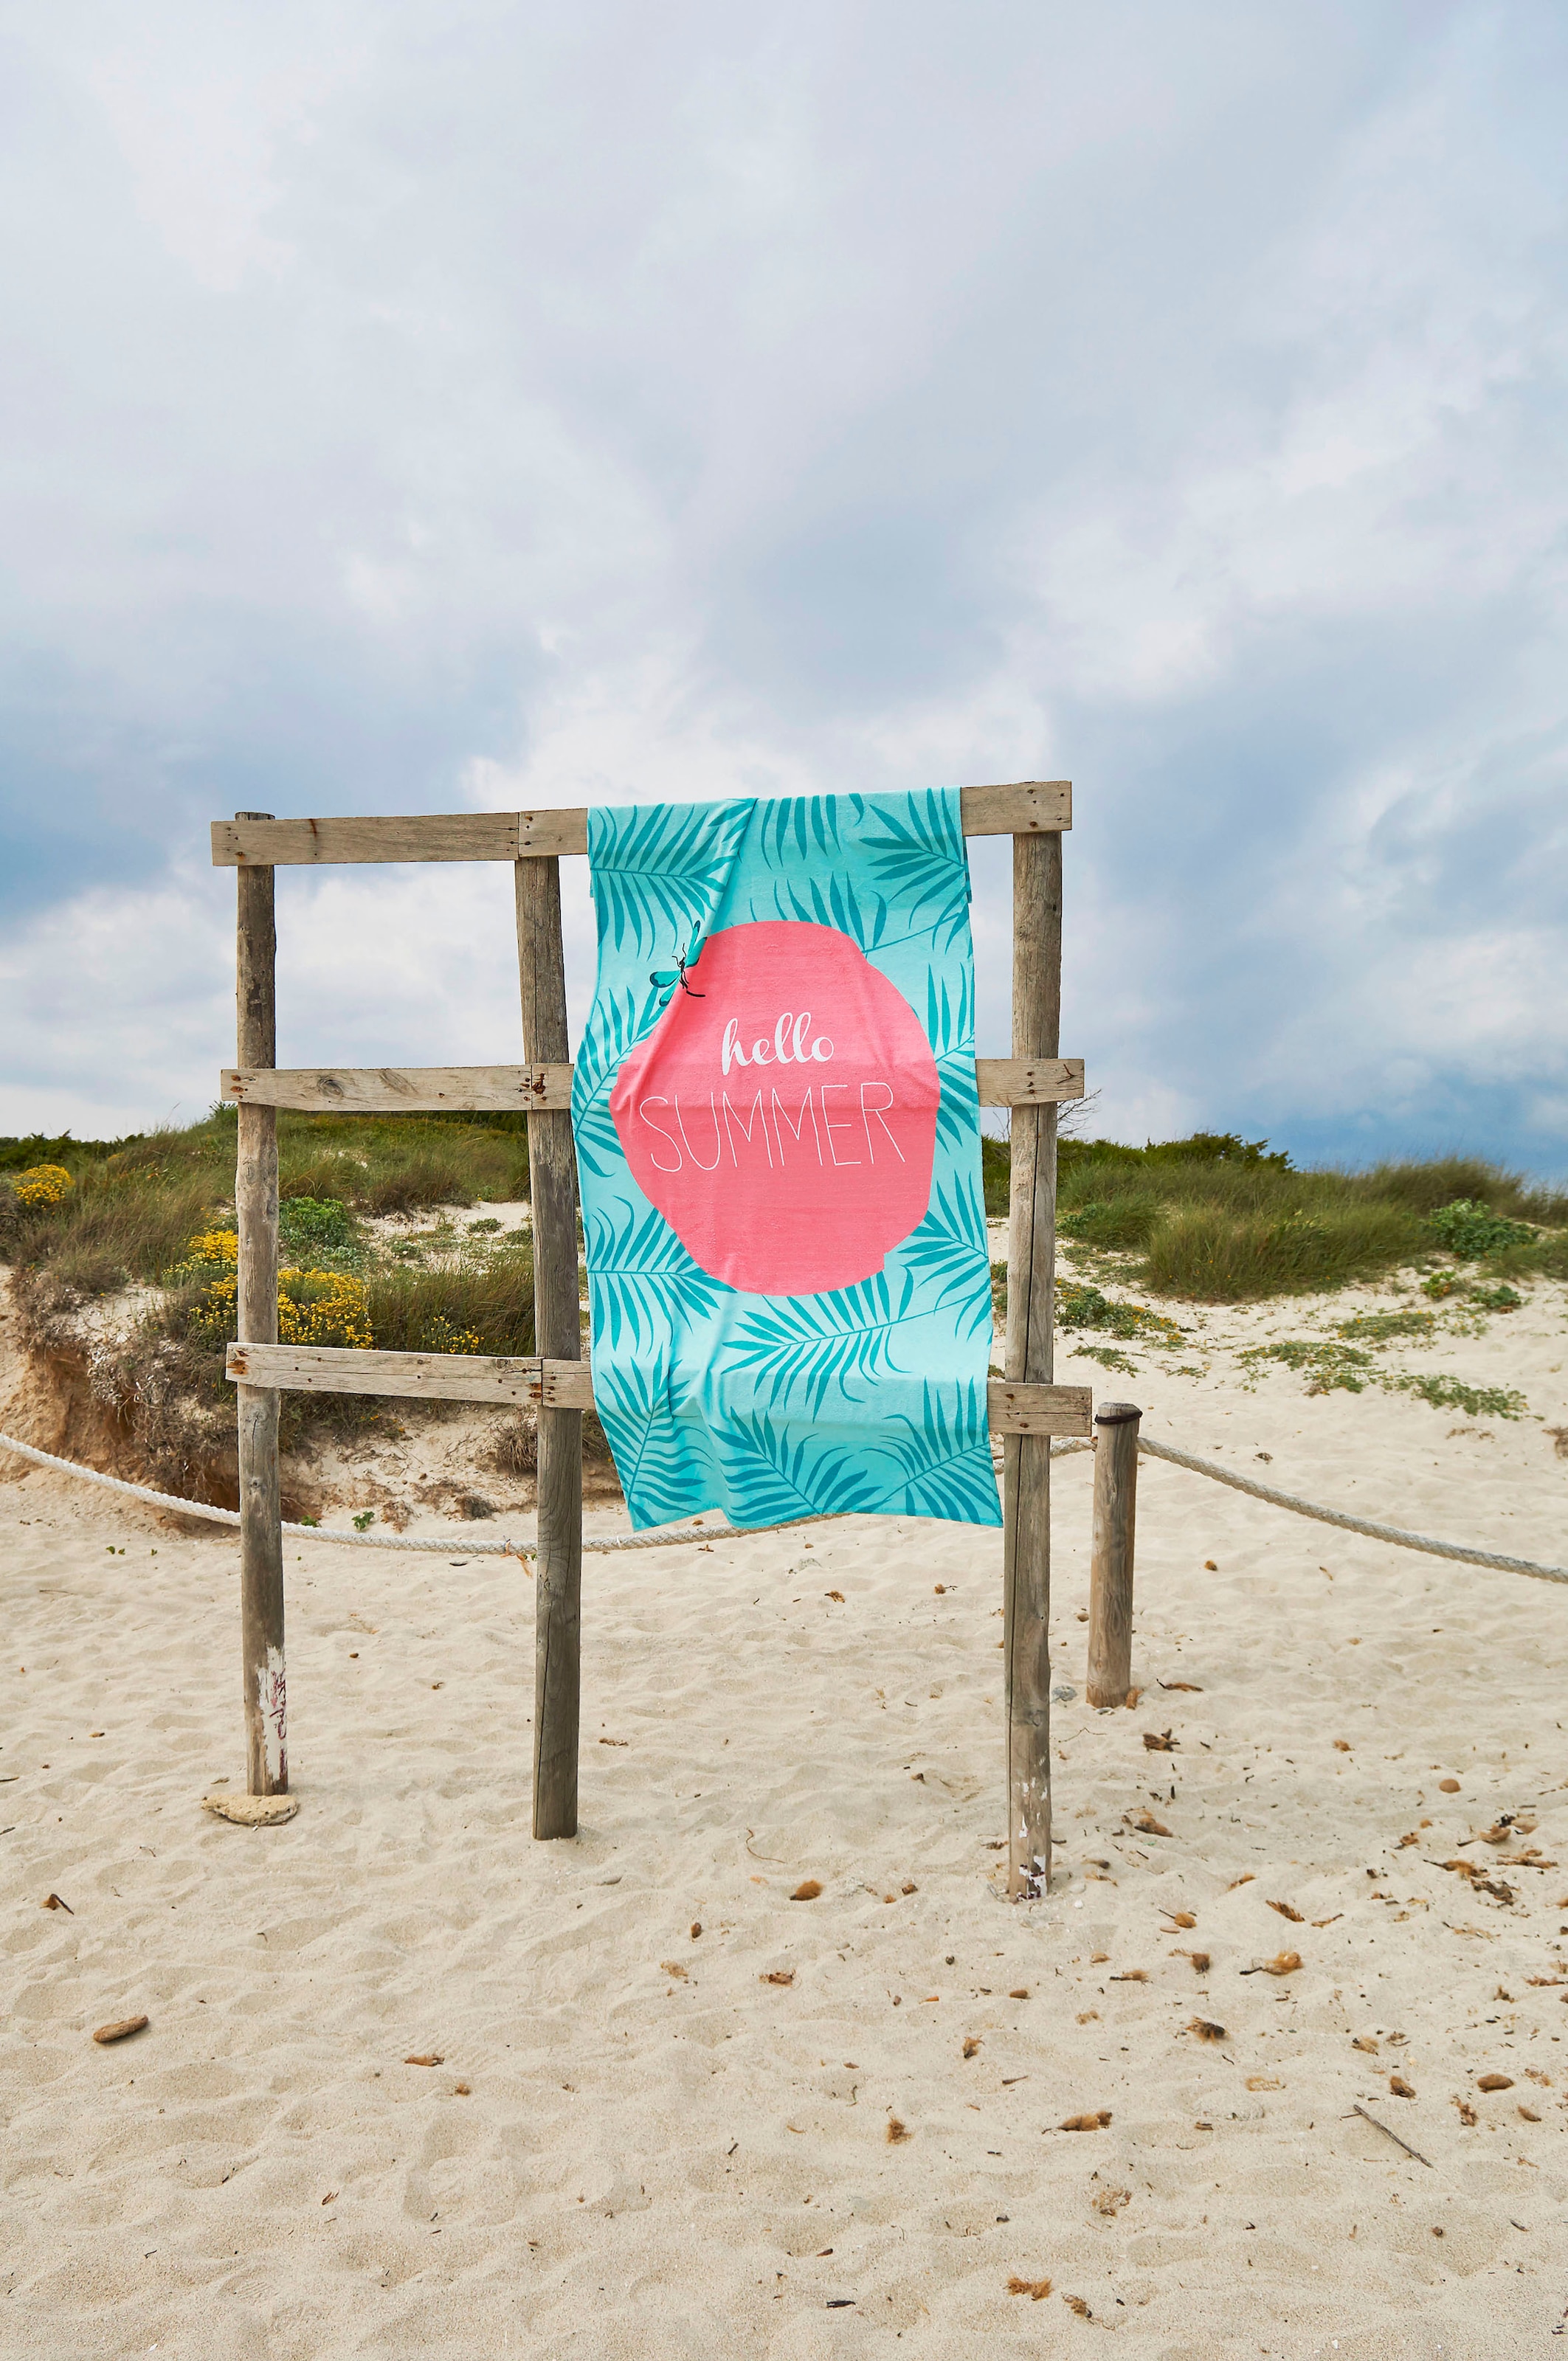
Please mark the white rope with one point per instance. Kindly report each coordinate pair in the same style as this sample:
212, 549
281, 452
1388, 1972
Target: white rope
675, 1536
604, 1545
1395, 1533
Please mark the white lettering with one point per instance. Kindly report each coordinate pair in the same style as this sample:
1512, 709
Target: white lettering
731, 1119
717, 1142
805, 1108
790, 1045
643, 1108
822, 1051
828, 1120
873, 1106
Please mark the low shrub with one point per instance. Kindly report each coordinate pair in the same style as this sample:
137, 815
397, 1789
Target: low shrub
1114, 1222
41, 1184
1470, 1229
307, 1223
1453, 1393
1211, 1254
483, 1305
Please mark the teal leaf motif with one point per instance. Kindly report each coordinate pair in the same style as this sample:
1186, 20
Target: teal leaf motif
949, 1017
597, 1142
949, 1252
768, 1479
619, 1020
793, 826
652, 1456
811, 1343
639, 1265
660, 872
839, 908
921, 864
944, 1463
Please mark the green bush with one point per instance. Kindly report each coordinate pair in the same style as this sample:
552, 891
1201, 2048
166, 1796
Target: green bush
483, 1305
1210, 1254
1470, 1229
1115, 1223
307, 1225
1453, 1393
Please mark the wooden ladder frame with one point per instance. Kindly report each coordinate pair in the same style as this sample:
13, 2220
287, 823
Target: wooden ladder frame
1025, 1408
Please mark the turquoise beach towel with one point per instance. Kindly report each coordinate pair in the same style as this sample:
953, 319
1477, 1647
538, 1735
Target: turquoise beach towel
778, 1146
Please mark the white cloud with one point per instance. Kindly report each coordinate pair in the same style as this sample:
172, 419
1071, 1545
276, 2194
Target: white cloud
417, 406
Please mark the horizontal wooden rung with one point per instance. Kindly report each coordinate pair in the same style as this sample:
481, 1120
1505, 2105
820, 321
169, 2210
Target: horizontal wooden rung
415, 1090
1029, 807
406, 1090
559, 1385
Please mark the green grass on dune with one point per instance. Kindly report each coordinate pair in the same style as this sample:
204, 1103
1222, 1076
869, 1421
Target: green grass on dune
1214, 1218
1217, 1219
135, 1203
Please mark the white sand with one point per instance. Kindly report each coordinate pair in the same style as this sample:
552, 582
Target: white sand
650, 2160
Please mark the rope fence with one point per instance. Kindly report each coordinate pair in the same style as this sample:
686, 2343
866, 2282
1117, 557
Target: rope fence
677, 1536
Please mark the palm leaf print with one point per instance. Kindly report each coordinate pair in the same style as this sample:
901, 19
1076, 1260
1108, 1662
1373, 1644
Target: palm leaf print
804, 1344
652, 1456
640, 1268
659, 872
793, 827
948, 1251
770, 1478
865, 923
919, 859
944, 1463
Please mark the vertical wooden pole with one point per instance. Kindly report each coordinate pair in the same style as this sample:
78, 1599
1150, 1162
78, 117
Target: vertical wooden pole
557, 1332
1031, 1283
1111, 1572
256, 1203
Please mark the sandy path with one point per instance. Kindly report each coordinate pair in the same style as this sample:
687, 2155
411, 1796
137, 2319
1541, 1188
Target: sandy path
649, 2160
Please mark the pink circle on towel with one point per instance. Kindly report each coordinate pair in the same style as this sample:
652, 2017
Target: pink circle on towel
784, 1122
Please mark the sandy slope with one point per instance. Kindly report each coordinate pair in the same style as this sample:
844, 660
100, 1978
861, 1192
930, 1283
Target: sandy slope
656, 2144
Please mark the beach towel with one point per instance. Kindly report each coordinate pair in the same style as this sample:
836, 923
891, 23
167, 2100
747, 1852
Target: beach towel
778, 1150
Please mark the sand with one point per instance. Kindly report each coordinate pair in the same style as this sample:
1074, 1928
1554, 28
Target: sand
643, 2139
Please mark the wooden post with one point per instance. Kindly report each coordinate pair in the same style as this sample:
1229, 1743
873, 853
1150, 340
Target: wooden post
1111, 1574
553, 1189
1031, 1283
256, 1203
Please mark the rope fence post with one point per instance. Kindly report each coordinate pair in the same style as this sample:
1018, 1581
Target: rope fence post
557, 1333
1031, 1285
1110, 1564
255, 1206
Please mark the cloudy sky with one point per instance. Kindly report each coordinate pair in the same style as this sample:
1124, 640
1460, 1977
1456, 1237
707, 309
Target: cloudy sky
410, 405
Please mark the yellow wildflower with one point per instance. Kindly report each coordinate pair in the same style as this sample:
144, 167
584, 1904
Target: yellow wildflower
43, 1184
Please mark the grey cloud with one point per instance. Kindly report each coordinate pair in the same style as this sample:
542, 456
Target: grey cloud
424, 405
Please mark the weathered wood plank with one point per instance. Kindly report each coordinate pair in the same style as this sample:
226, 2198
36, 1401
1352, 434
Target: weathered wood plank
336, 1369
549, 834
554, 1384
557, 1327
406, 1090
1031, 1283
432, 836
1111, 1561
1028, 1081
1031, 807
411, 1090
262, 1668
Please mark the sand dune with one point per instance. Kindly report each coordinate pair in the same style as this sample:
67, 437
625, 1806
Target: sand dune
645, 2140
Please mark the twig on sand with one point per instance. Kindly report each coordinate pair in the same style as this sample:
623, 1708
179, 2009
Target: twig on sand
1359, 2110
